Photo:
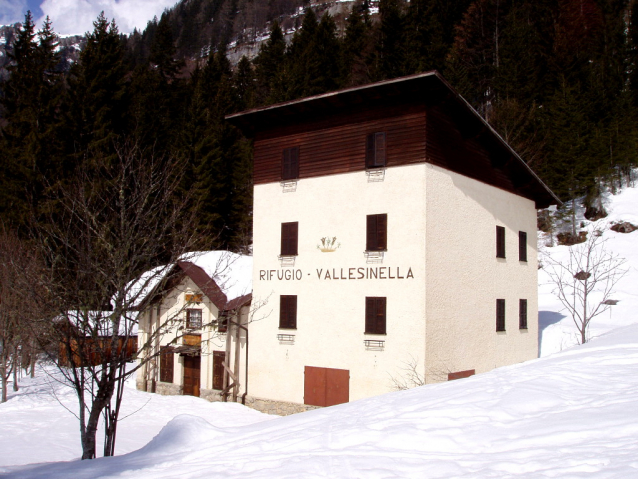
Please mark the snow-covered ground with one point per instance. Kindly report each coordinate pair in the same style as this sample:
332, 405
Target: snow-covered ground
569, 414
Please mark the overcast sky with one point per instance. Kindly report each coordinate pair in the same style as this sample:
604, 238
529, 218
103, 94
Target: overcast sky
77, 16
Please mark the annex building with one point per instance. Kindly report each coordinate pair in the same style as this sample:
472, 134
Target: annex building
394, 231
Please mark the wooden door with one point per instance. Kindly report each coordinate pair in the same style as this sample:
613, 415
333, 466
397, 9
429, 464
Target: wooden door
326, 386
218, 369
192, 368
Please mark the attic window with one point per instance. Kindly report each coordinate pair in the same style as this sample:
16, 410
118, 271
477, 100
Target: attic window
375, 150
193, 318
290, 164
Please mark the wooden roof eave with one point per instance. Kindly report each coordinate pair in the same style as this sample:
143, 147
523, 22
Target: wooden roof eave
546, 190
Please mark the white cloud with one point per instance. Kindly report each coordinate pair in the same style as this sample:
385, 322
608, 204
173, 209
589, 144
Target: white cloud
77, 16
12, 11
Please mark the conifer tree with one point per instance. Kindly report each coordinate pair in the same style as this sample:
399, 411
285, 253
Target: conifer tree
268, 65
357, 49
27, 141
97, 93
390, 46
323, 59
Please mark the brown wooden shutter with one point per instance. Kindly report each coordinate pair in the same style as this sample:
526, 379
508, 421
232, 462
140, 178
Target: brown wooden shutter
288, 311
166, 364
377, 232
522, 246
500, 315
379, 149
218, 369
500, 242
294, 162
522, 314
375, 315
382, 232
370, 160
289, 239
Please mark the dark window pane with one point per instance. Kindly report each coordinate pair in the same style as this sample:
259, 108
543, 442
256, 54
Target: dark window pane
500, 315
522, 246
500, 242
522, 314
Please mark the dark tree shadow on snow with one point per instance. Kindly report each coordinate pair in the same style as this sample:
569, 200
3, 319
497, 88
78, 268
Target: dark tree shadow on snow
545, 319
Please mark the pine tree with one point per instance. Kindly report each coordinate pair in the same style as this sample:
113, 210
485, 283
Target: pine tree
97, 93
27, 141
268, 65
357, 49
323, 59
390, 46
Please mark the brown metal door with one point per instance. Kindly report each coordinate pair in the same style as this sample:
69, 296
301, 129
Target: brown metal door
325, 386
192, 368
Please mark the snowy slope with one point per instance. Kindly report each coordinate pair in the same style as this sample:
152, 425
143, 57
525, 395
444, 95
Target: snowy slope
558, 331
571, 414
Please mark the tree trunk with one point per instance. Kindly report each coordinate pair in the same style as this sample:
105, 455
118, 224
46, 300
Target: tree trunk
15, 375
3, 372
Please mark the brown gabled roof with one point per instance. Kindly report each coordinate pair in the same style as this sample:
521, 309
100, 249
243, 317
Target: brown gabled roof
205, 283
239, 302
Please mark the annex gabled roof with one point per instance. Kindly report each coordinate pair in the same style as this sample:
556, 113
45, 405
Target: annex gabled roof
430, 89
225, 278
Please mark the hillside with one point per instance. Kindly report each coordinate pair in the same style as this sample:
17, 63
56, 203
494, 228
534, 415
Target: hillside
568, 414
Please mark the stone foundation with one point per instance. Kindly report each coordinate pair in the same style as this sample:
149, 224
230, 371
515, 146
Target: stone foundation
279, 408
168, 389
268, 406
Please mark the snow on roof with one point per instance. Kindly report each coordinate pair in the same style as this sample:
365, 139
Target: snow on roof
99, 323
232, 272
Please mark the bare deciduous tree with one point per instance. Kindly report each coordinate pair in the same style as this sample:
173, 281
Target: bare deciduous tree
585, 282
120, 218
18, 311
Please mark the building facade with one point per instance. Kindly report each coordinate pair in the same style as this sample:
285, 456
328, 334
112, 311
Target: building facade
192, 337
394, 244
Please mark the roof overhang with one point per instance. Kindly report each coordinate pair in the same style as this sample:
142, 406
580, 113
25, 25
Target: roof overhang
428, 88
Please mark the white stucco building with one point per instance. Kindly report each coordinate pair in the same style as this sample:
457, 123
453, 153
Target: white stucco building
193, 328
393, 230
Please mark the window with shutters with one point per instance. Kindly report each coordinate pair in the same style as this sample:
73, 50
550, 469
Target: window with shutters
522, 246
522, 314
500, 242
289, 239
218, 369
375, 150
500, 315
287, 311
290, 164
222, 322
194, 318
166, 364
375, 315
377, 232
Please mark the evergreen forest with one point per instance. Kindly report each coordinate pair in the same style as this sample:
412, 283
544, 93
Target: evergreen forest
558, 79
